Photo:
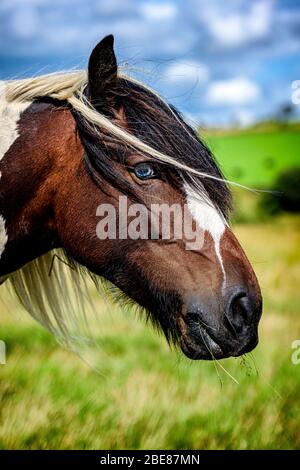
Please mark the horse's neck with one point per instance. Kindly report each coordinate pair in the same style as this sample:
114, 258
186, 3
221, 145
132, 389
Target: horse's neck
27, 162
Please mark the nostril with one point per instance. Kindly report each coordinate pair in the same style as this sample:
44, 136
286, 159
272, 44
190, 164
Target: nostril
239, 312
243, 307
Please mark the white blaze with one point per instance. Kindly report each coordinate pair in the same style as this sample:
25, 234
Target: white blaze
209, 219
9, 116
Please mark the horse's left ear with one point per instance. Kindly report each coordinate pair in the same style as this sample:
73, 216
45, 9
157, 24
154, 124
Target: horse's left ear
102, 73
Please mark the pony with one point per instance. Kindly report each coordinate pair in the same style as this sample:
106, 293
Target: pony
73, 141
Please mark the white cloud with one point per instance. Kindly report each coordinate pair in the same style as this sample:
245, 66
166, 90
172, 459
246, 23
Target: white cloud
235, 91
237, 27
159, 11
187, 72
244, 117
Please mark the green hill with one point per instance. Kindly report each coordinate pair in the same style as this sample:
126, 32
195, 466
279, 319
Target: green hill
255, 158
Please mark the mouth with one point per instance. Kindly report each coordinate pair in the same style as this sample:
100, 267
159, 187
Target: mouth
208, 349
200, 345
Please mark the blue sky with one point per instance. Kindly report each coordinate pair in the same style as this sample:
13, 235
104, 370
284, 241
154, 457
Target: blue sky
217, 61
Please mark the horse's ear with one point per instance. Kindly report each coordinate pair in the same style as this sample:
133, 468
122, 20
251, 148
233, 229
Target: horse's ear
102, 73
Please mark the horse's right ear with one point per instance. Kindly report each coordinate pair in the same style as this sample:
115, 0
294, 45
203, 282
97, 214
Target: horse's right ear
102, 73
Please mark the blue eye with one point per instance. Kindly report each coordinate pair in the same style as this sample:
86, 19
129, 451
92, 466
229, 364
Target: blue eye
145, 171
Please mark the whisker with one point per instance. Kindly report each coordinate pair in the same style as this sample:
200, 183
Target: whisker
213, 359
218, 362
207, 326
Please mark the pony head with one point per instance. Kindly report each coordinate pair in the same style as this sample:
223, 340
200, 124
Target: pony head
136, 197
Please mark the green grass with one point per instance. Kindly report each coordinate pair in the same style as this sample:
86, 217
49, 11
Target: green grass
256, 158
146, 396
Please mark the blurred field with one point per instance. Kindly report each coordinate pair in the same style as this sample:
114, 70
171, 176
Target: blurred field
256, 157
146, 396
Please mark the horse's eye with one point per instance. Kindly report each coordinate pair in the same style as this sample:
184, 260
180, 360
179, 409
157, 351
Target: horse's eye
145, 171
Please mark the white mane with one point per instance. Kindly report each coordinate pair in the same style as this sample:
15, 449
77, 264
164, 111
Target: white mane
70, 87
